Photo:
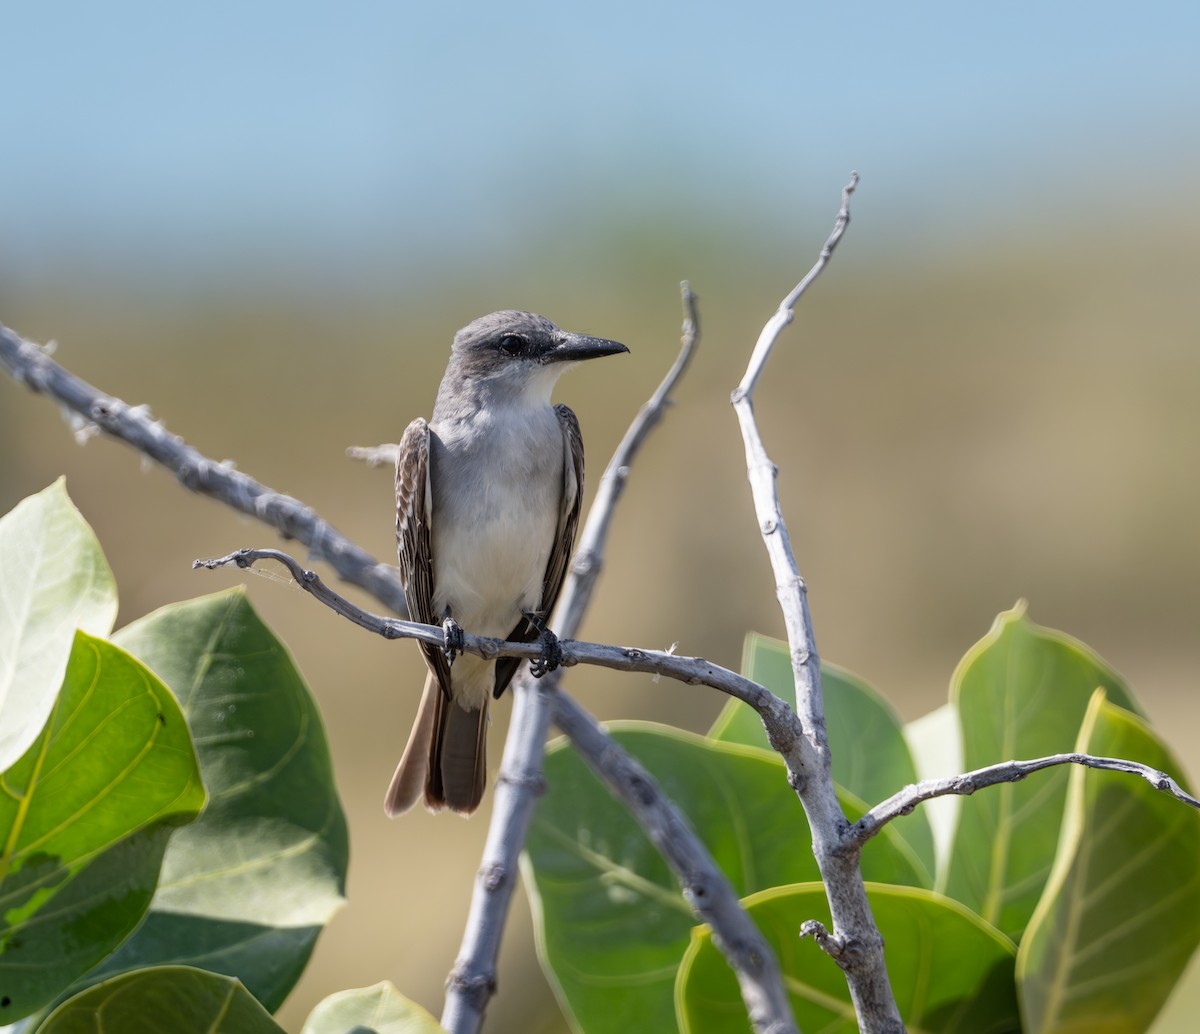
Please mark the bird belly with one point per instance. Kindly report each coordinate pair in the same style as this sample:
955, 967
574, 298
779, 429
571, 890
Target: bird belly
489, 571
497, 501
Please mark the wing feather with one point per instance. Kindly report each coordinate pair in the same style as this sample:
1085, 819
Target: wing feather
414, 501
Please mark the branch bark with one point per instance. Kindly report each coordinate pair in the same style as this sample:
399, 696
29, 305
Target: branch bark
809, 764
903, 802
705, 887
693, 671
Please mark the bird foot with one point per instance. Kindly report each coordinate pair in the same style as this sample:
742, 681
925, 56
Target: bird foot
552, 653
452, 639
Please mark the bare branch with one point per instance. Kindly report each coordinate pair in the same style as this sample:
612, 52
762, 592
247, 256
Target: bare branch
693, 671
704, 886
472, 980
762, 473
31, 366
786, 311
964, 785
808, 763
588, 561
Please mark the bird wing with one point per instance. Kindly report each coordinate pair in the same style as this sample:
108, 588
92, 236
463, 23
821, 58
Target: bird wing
564, 541
414, 504
568, 514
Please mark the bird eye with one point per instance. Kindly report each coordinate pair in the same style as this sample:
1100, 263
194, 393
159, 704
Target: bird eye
511, 344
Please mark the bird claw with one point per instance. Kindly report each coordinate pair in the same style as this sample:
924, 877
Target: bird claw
551, 656
452, 639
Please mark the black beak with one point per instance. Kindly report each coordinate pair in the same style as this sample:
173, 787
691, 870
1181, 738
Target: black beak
574, 347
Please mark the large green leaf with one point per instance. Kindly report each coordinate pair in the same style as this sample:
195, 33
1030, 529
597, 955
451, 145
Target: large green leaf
1021, 692
1120, 917
53, 579
370, 1010
84, 817
246, 890
174, 999
951, 973
869, 754
611, 923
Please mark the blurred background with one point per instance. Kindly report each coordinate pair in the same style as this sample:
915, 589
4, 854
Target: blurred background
267, 221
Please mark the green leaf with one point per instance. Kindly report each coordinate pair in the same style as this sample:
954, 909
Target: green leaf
935, 744
1021, 693
53, 579
84, 817
1120, 917
166, 998
245, 890
610, 920
870, 756
370, 1010
950, 972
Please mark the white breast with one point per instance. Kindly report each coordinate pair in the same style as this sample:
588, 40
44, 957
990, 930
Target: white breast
497, 486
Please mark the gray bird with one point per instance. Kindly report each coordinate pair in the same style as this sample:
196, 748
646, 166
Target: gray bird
487, 505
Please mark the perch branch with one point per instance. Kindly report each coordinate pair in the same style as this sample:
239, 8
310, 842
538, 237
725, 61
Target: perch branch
693, 671
903, 802
860, 952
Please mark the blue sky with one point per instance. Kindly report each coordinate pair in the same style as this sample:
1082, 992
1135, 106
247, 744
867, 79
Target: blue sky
148, 132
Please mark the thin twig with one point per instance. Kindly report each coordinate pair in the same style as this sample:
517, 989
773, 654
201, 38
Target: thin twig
903, 802
860, 952
589, 555
693, 671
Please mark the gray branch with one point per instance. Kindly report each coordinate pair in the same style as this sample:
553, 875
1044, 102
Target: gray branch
964, 785
706, 889
693, 671
860, 945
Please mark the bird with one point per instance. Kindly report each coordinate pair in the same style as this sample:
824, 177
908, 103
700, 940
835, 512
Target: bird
488, 495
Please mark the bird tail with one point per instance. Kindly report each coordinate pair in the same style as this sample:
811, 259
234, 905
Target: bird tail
445, 759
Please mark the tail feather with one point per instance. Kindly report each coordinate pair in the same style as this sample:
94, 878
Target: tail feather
445, 760
458, 759
408, 783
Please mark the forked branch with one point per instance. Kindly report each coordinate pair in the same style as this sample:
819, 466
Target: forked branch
809, 764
